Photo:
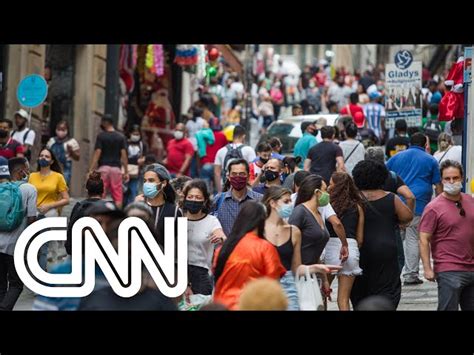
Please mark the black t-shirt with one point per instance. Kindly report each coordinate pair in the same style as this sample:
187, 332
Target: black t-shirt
159, 214
395, 145
107, 300
111, 144
350, 220
323, 159
313, 237
393, 182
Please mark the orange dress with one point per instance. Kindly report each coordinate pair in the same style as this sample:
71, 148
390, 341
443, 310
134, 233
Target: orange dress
252, 258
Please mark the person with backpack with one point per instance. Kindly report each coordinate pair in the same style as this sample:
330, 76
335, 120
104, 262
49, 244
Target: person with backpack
23, 134
95, 189
65, 148
447, 149
227, 204
52, 195
17, 211
235, 150
353, 150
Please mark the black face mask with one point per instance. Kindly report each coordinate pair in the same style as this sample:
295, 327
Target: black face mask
315, 132
271, 175
264, 161
3, 133
193, 206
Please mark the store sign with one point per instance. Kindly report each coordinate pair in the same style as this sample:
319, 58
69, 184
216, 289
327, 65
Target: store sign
32, 91
403, 95
90, 245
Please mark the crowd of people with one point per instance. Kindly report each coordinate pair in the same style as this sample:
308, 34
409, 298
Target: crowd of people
257, 219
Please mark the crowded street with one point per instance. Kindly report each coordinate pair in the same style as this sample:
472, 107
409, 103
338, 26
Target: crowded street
308, 178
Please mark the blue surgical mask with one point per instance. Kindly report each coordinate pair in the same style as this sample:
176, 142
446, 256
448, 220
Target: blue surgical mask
43, 163
150, 189
285, 211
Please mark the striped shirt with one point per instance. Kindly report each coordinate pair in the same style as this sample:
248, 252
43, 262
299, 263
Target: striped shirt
373, 112
227, 210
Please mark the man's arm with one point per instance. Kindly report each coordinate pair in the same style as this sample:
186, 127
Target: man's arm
341, 168
95, 159
425, 239
185, 166
406, 193
307, 164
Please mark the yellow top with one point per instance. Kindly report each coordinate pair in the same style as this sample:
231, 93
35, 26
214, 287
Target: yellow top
49, 187
472, 186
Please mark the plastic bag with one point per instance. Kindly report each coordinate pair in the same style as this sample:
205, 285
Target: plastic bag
309, 292
195, 302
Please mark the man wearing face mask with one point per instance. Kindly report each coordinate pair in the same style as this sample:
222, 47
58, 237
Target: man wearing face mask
9, 148
308, 140
272, 171
264, 151
180, 153
23, 134
227, 204
446, 227
65, 148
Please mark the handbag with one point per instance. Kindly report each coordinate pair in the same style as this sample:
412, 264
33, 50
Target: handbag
133, 170
309, 292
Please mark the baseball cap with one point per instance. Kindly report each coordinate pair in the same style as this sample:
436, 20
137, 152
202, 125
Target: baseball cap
4, 171
22, 113
374, 95
104, 207
160, 170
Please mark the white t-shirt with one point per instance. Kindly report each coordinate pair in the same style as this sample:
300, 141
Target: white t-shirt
248, 153
70, 142
20, 136
200, 249
358, 154
454, 153
8, 239
325, 212
193, 127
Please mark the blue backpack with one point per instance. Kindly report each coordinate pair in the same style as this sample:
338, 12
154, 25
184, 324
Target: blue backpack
11, 206
58, 150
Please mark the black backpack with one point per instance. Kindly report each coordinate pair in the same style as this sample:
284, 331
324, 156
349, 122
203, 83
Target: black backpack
232, 153
432, 130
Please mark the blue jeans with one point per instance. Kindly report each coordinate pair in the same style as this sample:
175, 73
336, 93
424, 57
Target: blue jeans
43, 256
207, 174
132, 191
455, 288
289, 286
67, 172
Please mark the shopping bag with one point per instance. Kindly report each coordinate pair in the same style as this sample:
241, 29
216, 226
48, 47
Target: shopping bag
309, 292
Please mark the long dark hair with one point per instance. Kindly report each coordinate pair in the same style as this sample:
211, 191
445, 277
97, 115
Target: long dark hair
55, 166
306, 191
252, 215
201, 186
344, 194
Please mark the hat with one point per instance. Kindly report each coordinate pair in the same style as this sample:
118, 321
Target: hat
320, 122
160, 170
4, 171
22, 113
104, 207
374, 95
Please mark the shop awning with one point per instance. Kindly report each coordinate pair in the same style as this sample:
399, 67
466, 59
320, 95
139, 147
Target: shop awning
230, 57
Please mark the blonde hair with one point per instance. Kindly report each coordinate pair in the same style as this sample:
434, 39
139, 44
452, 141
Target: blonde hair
444, 141
263, 294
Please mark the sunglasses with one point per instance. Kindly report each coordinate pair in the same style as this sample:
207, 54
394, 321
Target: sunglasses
461, 209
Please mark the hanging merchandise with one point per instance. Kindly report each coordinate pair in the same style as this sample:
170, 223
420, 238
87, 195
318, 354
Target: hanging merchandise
452, 103
213, 54
126, 66
149, 57
186, 55
159, 60
201, 63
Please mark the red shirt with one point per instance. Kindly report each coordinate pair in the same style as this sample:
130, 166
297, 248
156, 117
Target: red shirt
177, 152
11, 149
252, 258
452, 240
220, 141
353, 109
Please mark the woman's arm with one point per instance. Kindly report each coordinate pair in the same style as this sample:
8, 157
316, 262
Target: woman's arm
296, 241
360, 226
405, 215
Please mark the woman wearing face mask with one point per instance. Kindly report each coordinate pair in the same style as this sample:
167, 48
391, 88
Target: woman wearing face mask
204, 232
52, 194
65, 148
314, 236
136, 150
160, 196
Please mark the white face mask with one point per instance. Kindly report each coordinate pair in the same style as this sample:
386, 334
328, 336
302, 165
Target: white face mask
135, 137
178, 135
452, 189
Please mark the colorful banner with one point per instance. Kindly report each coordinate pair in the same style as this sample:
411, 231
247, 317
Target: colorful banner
403, 96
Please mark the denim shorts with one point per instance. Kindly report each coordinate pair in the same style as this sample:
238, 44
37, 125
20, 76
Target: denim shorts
289, 286
331, 256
